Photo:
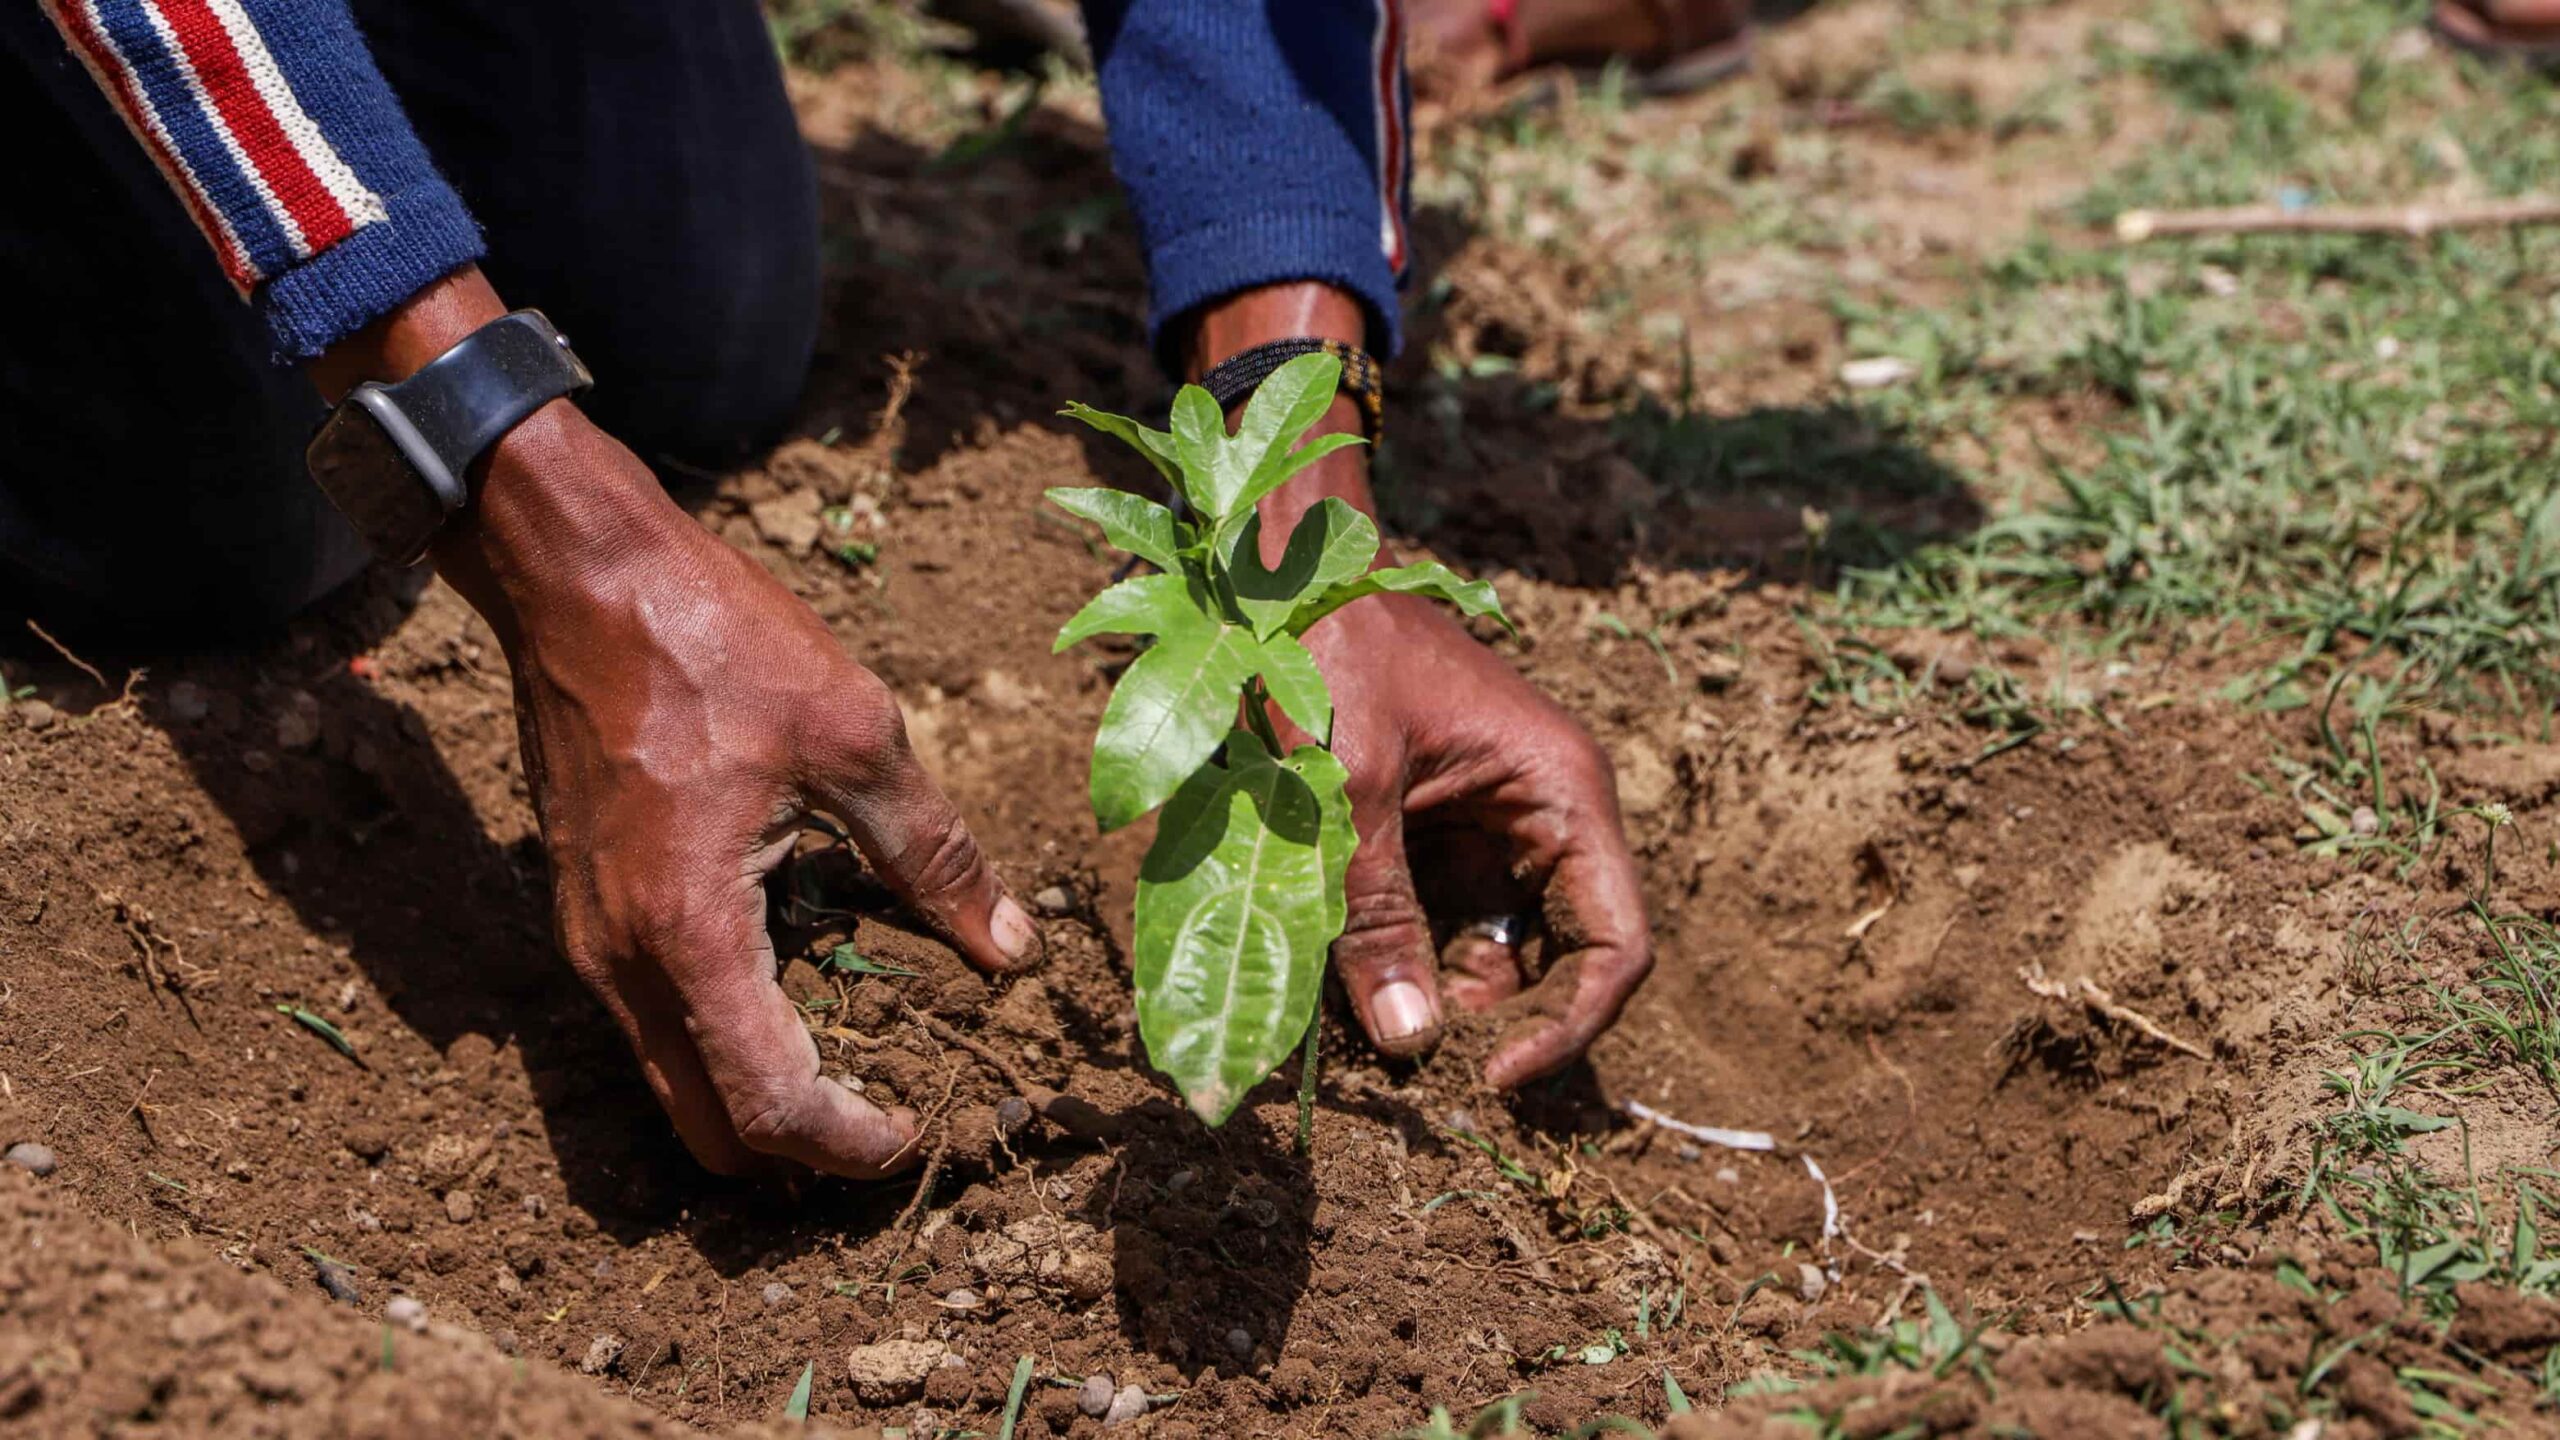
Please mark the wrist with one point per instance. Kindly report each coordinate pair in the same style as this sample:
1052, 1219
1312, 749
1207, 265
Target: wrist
558, 509
555, 504
1302, 309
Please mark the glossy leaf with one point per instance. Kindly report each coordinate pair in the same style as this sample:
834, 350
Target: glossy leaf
1156, 445
1135, 524
1283, 406
1167, 715
1146, 605
1297, 686
1472, 597
1200, 442
1238, 902
1287, 467
1332, 543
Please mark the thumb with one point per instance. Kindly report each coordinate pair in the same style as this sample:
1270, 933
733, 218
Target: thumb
916, 842
1384, 956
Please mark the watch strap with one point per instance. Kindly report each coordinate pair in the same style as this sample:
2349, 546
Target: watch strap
464, 401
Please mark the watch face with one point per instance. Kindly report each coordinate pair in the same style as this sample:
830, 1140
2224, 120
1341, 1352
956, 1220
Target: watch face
358, 465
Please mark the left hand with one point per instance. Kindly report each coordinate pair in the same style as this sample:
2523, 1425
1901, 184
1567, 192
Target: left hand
1466, 779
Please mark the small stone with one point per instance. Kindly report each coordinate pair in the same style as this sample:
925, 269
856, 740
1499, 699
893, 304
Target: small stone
1127, 1405
961, 1298
333, 1280
776, 1295
508, 1285
1727, 1175
2364, 821
1053, 900
1689, 1154
259, 762
892, 1370
1811, 1283
406, 1311
1094, 1399
459, 1207
1240, 1342
187, 702
35, 714
602, 1351
37, 1160
1181, 1180
298, 723
1013, 1115
534, 1206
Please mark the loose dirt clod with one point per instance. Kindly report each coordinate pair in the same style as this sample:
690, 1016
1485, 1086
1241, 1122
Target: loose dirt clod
602, 1351
893, 1370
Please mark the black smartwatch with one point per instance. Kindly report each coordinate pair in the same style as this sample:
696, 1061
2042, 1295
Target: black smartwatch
394, 458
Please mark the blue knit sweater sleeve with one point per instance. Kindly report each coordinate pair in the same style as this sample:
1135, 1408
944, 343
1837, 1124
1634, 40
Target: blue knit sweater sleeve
1260, 141
285, 144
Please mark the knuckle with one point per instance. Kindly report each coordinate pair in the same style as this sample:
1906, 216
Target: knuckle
858, 725
1371, 914
766, 1115
945, 858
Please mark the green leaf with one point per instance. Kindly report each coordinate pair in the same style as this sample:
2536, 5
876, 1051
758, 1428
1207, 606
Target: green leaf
1333, 543
1167, 715
2410, 1122
846, 960
1200, 441
337, 1038
1286, 468
1472, 597
1156, 445
1239, 900
1146, 605
1297, 686
1013, 1397
1673, 1396
1135, 524
1283, 406
798, 1406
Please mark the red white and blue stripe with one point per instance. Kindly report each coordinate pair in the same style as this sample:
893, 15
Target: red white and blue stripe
1387, 88
202, 91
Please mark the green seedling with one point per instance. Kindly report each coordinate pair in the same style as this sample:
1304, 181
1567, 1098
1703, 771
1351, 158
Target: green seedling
337, 1038
1240, 896
845, 960
1013, 1398
797, 1407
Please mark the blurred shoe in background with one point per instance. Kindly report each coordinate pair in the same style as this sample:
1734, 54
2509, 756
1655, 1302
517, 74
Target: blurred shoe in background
1462, 48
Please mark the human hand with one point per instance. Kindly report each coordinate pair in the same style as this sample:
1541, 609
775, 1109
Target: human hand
681, 714
1472, 789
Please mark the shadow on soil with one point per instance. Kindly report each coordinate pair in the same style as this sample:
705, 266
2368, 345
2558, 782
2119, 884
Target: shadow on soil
1008, 264
1017, 279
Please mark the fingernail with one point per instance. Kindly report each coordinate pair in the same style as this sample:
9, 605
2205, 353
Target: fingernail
1401, 1010
1016, 936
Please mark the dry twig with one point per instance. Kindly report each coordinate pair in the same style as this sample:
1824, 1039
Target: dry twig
65, 652
2415, 221
2090, 993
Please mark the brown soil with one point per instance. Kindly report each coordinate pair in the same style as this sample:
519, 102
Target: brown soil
1850, 912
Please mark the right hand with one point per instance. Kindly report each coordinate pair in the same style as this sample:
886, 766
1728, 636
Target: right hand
681, 713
